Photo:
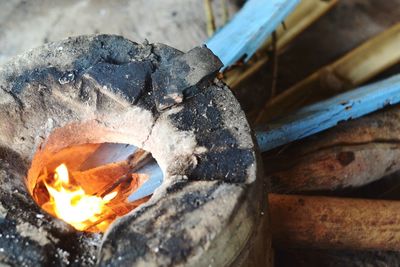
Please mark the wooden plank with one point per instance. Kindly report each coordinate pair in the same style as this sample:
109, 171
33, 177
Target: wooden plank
326, 114
351, 70
247, 31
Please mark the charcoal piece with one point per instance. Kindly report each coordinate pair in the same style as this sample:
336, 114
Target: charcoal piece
183, 76
127, 80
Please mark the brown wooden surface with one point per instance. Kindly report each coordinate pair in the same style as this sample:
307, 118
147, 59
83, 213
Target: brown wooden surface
352, 154
336, 258
334, 223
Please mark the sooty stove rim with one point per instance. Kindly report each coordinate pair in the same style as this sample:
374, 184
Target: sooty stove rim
208, 154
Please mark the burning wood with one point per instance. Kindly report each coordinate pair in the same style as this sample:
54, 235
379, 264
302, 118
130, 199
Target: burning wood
72, 198
135, 161
69, 201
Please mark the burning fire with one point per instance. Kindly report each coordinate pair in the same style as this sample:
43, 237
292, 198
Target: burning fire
69, 201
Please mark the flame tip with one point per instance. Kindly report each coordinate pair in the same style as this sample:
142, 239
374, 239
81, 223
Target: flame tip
70, 202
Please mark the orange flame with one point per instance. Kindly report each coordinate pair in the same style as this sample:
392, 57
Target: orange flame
69, 201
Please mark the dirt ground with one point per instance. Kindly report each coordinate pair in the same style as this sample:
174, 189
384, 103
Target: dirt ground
27, 24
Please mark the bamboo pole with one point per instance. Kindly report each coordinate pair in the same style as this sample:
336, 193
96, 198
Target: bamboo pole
334, 223
306, 13
210, 20
356, 67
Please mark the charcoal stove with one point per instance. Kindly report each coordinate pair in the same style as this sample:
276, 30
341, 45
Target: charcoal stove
91, 90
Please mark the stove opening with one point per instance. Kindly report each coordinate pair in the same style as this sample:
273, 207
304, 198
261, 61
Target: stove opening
90, 185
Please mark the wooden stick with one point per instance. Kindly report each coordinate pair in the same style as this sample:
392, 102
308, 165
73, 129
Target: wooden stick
139, 159
93, 179
356, 67
136, 161
306, 13
274, 64
111, 175
334, 223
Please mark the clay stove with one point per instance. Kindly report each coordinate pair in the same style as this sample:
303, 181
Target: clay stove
61, 102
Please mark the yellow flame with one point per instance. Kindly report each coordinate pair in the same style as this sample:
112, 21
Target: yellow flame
110, 196
70, 202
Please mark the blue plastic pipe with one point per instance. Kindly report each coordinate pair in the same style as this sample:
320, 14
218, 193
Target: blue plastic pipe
249, 29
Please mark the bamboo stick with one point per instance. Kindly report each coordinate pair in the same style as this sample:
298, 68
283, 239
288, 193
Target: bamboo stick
225, 11
334, 223
210, 20
354, 68
306, 13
